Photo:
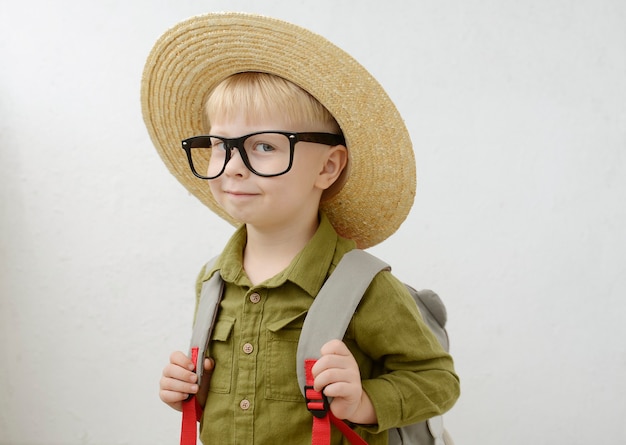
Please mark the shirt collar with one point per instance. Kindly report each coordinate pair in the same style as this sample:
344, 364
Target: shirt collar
309, 269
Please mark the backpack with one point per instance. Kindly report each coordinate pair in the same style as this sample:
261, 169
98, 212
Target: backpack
327, 319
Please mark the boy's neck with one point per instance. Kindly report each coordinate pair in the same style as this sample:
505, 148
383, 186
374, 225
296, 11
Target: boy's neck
268, 252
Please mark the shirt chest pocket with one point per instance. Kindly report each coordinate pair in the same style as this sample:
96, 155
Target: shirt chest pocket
221, 350
280, 365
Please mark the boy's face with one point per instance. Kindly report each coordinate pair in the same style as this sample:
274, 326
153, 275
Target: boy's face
270, 203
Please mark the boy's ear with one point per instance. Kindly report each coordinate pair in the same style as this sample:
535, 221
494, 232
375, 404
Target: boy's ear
336, 161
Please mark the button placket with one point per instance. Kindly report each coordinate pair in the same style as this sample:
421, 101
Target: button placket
247, 366
254, 298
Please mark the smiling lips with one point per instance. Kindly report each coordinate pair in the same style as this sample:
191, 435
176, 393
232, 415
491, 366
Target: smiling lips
238, 193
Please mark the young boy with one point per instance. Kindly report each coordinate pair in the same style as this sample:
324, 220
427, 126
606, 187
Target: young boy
293, 155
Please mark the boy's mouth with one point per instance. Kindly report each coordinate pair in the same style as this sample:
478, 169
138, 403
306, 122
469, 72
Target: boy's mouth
238, 193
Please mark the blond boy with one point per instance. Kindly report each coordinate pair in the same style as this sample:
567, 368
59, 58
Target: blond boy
276, 162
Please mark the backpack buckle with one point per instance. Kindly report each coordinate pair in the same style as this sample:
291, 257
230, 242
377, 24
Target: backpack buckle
316, 402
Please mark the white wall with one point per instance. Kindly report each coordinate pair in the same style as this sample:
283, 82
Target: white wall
518, 115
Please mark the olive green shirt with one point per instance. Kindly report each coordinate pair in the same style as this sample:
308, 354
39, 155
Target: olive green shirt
254, 396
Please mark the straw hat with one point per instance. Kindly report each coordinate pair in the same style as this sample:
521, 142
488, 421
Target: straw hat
191, 58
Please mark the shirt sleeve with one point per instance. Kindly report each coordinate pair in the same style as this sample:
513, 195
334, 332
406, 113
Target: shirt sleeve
414, 378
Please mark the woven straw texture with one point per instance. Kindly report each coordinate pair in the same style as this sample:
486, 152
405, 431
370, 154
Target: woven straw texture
191, 58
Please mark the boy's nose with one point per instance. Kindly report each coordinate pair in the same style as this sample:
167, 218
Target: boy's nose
235, 165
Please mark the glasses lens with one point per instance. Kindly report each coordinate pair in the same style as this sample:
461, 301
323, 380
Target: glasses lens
268, 153
208, 156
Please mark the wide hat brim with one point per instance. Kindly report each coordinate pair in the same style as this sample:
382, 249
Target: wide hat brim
191, 58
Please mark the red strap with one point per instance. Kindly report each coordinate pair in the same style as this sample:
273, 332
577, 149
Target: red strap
192, 412
321, 425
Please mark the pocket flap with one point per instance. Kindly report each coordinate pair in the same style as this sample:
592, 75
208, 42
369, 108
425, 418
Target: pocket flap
223, 328
280, 324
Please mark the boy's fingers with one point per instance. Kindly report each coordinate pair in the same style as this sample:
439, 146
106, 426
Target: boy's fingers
172, 396
179, 386
180, 358
179, 373
209, 364
334, 354
335, 347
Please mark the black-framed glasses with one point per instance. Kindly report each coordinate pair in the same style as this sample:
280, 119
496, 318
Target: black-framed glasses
265, 153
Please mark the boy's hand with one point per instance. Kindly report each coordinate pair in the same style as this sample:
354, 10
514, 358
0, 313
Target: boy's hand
179, 380
337, 374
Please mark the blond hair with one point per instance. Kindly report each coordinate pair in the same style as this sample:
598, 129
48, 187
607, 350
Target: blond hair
260, 94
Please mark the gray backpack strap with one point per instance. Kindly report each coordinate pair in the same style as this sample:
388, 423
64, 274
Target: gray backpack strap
206, 314
333, 307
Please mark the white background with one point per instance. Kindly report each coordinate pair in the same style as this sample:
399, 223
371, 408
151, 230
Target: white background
517, 110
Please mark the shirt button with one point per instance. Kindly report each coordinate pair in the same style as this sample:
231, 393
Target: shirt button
255, 298
244, 404
248, 348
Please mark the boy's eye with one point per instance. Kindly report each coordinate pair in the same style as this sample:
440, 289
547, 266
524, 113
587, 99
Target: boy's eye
217, 144
263, 147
